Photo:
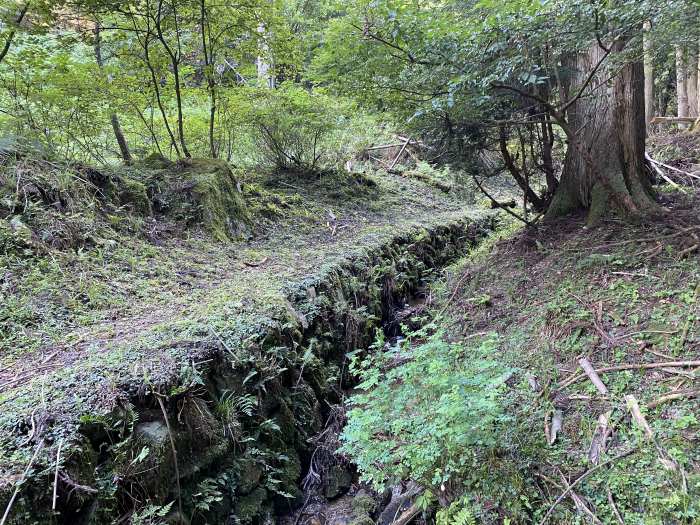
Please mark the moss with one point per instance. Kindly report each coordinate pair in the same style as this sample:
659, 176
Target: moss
250, 506
201, 192
190, 313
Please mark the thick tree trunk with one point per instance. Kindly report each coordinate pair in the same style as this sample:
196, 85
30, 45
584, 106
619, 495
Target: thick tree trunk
648, 74
605, 167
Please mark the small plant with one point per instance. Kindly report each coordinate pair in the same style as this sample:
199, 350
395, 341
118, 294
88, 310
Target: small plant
151, 515
460, 512
229, 409
426, 411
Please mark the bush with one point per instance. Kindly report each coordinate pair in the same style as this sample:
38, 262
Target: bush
426, 412
306, 132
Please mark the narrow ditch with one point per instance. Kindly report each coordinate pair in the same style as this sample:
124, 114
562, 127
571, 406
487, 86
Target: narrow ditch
253, 442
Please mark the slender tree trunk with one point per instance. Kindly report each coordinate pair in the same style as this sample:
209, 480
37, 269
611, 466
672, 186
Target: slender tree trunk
178, 99
209, 73
114, 119
154, 82
11, 36
681, 81
648, 74
692, 88
175, 56
605, 168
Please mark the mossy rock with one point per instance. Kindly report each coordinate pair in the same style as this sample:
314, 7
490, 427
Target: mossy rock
201, 192
14, 235
251, 506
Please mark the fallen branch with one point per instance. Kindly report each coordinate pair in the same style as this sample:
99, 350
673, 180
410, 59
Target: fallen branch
672, 120
575, 378
398, 157
76, 486
618, 517
685, 394
658, 163
256, 264
408, 515
691, 319
638, 417
557, 424
660, 173
19, 484
389, 146
174, 450
55, 479
579, 501
599, 438
580, 479
593, 376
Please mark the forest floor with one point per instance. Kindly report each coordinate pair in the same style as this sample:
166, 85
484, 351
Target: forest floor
83, 330
626, 298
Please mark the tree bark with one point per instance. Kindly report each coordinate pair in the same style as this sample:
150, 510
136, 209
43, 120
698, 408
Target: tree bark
648, 74
265, 70
692, 82
114, 119
604, 168
681, 81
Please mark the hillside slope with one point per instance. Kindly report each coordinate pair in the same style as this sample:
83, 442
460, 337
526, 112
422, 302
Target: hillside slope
233, 333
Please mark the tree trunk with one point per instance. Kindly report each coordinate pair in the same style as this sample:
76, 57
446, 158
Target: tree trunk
11, 35
605, 168
208, 50
265, 70
648, 74
681, 81
114, 119
692, 89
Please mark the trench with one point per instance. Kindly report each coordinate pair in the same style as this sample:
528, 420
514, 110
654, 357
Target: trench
254, 442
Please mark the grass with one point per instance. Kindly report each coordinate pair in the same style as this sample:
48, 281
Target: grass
88, 329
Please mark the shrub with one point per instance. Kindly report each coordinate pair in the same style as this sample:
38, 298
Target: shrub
426, 412
306, 132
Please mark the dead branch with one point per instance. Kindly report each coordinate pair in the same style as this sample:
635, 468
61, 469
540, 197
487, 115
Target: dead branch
618, 517
638, 417
19, 484
685, 394
256, 264
581, 478
599, 438
575, 378
659, 163
593, 376
174, 450
400, 154
672, 120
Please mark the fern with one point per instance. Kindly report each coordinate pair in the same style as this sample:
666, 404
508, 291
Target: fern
151, 515
459, 513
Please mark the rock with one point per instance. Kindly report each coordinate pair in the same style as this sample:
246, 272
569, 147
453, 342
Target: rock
155, 432
337, 482
250, 475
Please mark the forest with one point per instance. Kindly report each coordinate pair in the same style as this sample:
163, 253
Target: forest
361, 262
